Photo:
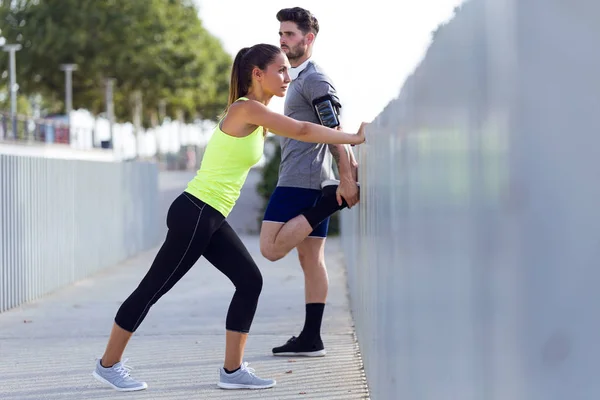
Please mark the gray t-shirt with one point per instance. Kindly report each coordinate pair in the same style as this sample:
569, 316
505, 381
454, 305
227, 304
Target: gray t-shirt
305, 165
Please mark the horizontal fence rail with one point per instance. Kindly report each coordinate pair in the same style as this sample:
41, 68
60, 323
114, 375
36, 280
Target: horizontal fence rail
62, 220
473, 256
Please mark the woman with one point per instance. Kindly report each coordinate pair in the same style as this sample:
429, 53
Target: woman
197, 223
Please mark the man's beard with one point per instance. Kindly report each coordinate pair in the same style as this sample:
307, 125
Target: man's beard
295, 53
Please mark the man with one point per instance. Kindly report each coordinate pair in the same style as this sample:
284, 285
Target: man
304, 170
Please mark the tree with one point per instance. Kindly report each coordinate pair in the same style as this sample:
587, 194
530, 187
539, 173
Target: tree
22, 102
156, 47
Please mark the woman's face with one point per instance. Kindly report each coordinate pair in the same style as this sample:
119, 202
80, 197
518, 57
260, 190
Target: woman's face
276, 77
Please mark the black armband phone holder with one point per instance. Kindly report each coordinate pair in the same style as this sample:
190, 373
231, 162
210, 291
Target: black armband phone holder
327, 109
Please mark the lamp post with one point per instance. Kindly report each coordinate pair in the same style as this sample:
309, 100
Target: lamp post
14, 88
110, 111
68, 68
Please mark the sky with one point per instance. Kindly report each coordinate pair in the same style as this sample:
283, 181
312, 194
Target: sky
368, 51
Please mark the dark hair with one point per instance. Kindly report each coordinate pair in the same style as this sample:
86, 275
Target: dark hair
259, 55
303, 18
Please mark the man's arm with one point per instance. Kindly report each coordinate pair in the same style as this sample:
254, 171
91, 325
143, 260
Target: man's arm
353, 164
317, 86
344, 158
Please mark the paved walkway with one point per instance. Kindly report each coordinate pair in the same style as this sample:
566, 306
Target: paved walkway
48, 347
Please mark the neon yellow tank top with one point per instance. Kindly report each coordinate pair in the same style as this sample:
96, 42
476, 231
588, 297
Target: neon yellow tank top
225, 166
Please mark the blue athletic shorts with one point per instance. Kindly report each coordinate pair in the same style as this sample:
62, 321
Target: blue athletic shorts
287, 202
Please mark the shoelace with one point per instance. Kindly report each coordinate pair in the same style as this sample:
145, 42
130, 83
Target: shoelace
124, 370
250, 370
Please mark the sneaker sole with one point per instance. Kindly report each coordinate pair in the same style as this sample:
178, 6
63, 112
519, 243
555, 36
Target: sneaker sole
319, 353
101, 379
232, 386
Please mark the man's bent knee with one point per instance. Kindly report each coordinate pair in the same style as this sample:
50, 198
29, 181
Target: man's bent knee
268, 233
270, 253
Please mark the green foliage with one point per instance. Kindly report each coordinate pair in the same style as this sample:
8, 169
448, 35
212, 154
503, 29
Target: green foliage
23, 104
159, 47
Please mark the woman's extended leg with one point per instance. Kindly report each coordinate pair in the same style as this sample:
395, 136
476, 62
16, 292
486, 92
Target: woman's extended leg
229, 255
190, 224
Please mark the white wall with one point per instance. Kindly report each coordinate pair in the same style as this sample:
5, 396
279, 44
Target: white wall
473, 257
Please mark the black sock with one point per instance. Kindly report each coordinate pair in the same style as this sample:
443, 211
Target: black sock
231, 372
312, 323
325, 207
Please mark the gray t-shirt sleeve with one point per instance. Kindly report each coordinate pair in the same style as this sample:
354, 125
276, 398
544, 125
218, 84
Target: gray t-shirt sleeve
303, 164
319, 85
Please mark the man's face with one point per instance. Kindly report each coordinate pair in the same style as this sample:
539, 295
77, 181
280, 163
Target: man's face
292, 41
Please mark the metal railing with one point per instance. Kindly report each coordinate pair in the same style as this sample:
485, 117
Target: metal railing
473, 256
172, 140
20, 128
62, 220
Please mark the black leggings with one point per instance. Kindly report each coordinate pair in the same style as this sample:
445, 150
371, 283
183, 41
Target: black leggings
196, 229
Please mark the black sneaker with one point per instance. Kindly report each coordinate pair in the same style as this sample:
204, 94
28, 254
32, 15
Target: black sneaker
298, 347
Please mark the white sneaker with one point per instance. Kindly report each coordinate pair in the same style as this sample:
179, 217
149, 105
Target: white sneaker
243, 378
118, 377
